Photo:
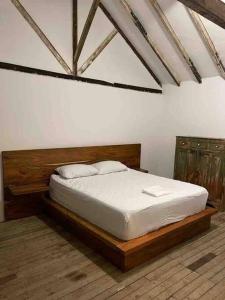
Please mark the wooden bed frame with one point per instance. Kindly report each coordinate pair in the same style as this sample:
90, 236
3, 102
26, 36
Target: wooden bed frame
26, 174
128, 254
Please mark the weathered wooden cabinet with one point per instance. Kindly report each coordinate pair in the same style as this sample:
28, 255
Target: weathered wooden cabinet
202, 161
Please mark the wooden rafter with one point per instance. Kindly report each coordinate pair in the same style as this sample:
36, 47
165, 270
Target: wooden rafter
208, 41
97, 51
18, 68
74, 35
41, 35
214, 10
144, 33
175, 38
109, 16
86, 29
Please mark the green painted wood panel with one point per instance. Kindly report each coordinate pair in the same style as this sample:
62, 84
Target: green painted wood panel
201, 161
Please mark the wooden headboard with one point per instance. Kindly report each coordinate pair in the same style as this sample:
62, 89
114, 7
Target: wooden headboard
25, 167
26, 173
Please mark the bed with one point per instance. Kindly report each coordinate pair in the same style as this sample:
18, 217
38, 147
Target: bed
115, 202
107, 212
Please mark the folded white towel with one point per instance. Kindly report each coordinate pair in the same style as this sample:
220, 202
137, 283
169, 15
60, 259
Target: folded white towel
156, 191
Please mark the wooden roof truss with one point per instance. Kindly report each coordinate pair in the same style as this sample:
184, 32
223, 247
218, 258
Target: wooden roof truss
214, 10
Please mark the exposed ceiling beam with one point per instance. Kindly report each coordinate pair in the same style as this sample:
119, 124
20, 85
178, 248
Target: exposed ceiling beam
74, 35
109, 16
18, 68
173, 35
208, 41
97, 51
214, 10
86, 29
41, 35
144, 33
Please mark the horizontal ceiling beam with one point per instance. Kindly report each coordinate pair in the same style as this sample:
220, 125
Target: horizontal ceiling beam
130, 44
35, 71
214, 10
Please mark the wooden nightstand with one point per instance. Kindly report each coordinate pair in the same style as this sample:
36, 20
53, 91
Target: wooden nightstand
32, 188
24, 200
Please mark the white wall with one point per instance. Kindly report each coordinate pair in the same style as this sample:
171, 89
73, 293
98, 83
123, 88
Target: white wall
194, 110
43, 112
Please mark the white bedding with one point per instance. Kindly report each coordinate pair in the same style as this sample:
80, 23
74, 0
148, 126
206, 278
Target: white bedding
115, 202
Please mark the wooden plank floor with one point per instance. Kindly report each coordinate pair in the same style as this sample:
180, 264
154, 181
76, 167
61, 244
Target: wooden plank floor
40, 260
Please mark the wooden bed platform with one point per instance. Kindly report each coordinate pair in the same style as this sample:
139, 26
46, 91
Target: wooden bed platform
128, 254
26, 175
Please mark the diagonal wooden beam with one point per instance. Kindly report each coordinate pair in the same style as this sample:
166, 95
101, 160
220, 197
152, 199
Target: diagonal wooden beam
175, 38
74, 15
208, 42
41, 35
97, 51
144, 33
214, 10
109, 16
86, 29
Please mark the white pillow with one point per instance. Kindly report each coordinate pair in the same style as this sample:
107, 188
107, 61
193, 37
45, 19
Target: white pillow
76, 170
109, 166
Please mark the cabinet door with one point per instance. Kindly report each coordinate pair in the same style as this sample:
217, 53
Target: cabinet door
215, 183
180, 168
186, 165
198, 163
202, 168
222, 205
192, 166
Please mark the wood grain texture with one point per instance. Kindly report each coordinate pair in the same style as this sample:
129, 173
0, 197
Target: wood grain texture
176, 40
201, 261
41, 35
150, 42
28, 171
136, 52
129, 254
212, 10
202, 161
41, 260
17, 190
35, 166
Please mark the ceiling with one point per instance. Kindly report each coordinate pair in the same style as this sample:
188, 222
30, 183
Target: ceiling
185, 29
117, 63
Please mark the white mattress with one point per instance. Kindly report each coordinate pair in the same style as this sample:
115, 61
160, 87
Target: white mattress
115, 202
